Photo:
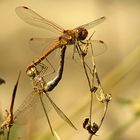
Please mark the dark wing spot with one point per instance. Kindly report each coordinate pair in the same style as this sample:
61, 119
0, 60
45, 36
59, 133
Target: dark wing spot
31, 39
25, 7
101, 41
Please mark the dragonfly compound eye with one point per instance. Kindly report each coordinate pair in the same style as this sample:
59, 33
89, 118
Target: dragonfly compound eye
82, 33
31, 72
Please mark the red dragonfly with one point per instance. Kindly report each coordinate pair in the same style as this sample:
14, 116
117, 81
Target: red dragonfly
67, 37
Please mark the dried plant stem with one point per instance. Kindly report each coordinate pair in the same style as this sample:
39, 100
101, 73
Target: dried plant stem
92, 79
12, 107
104, 114
8, 133
90, 137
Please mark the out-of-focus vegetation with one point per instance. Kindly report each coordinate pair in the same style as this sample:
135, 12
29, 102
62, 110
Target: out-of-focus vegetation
1, 81
118, 67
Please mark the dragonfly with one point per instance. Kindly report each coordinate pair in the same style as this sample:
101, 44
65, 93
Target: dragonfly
41, 90
66, 37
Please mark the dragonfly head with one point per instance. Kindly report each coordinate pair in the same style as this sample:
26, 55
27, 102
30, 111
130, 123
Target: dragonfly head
81, 33
31, 72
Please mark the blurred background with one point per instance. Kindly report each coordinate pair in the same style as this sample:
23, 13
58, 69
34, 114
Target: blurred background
118, 67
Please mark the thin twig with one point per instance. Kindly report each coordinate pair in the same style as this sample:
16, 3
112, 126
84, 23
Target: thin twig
90, 136
104, 98
9, 120
8, 133
104, 114
12, 106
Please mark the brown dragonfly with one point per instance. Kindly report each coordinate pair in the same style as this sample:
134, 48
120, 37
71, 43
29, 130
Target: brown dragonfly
67, 37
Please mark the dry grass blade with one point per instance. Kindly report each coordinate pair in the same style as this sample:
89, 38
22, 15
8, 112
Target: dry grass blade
9, 120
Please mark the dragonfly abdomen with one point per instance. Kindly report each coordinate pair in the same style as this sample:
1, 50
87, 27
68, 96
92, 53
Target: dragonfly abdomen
54, 46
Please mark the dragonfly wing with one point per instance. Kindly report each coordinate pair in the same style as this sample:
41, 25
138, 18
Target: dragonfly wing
93, 23
98, 47
60, 113
56, 135
31, 17
28, 108
39, 45
94, 49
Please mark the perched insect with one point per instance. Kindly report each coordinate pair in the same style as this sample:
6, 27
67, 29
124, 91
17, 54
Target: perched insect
67, 37
40, 93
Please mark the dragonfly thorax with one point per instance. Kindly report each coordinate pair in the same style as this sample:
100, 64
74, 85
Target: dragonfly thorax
71, 36
68, 37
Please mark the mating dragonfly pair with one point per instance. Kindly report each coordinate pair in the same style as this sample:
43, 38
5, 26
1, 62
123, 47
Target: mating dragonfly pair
76, 37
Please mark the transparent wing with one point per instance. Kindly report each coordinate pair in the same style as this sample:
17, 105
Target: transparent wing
60, 113
93, 23
30, 109
22, 113
98, 47
31, 17
39, 45
94, 48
